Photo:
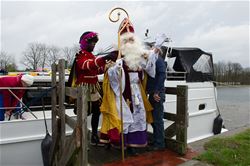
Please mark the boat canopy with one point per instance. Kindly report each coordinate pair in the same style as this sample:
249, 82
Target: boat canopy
197, 64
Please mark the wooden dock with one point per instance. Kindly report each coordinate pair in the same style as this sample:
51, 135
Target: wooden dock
73, 150
99, 156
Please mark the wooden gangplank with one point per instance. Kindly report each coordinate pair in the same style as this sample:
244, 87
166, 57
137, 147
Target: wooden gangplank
70, 150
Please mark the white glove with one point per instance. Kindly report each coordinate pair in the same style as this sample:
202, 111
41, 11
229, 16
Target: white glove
159, 40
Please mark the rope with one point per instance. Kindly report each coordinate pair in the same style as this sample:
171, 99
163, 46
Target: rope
215, 94
34, 100
45, 122
22, 103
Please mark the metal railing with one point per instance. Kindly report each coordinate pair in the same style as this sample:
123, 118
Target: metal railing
176, 76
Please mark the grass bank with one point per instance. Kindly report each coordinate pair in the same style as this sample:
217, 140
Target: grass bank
231, 151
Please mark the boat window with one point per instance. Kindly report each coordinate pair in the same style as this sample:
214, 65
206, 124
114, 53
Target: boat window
203, 64
202, 106
174, 72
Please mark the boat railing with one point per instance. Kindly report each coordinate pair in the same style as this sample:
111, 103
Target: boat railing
30, 104
24, 88
37, 108
22, 104
176, 76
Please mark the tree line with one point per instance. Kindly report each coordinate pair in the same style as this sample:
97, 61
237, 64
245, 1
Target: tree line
38, 56
229, 73
7, 62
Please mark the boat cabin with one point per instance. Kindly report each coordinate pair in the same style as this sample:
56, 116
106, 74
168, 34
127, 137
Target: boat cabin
189, 64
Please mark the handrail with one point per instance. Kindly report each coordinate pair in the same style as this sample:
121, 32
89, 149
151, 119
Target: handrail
178, 75
24, 88
176, 72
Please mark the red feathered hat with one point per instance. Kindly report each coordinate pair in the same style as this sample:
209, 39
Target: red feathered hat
126, 26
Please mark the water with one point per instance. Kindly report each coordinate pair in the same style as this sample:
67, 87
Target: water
234, 104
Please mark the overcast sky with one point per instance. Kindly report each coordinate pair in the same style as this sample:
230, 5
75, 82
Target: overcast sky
218, 27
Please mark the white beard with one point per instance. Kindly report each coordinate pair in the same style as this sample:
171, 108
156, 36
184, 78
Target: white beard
132, 52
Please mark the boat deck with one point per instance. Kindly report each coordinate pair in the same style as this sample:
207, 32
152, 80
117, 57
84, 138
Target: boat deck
112, 157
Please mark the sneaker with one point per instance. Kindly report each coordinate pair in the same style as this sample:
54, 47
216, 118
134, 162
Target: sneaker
95, 141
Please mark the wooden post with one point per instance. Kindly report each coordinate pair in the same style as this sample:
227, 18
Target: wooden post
82, 107
182, 118
61, 94
53, 103
54, 96
63, 152
179, 127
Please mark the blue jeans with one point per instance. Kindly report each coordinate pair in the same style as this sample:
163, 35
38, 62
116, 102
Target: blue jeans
2, 111
158, 124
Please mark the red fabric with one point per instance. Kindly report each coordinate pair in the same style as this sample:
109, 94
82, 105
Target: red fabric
128, 28
88, 67
112, 137
104, 138
8, 99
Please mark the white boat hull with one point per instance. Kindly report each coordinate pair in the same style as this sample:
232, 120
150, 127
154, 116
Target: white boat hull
200, 122
20, 141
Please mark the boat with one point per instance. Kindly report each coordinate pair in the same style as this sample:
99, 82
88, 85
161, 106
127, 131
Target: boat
194, 68
20, 140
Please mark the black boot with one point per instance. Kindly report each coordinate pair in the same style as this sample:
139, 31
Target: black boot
132, 151
95, 140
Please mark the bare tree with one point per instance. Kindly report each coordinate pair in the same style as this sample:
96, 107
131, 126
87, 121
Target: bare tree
220, 71
5, 60
237, 70
76, 48
53, 55
231, 73
44, 55
69, 54
11, 67
245, 76
32, 56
